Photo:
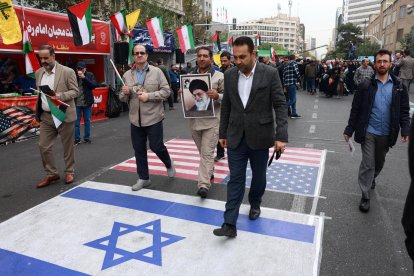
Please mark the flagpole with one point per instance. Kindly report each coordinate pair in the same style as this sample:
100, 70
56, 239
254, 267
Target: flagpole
116, 71
22, 4
50, 97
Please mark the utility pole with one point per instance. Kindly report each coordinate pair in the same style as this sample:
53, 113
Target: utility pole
290, 8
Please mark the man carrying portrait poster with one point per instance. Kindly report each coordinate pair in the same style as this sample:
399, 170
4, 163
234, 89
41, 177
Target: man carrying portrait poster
202, 105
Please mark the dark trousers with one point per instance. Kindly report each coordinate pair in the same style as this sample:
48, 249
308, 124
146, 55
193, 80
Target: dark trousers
154, 134
237, 160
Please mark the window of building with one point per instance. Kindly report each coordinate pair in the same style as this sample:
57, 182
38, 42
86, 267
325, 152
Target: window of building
400, 34
403, 11
394, 14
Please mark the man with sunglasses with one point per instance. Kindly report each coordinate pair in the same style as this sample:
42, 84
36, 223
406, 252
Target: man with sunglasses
145, 90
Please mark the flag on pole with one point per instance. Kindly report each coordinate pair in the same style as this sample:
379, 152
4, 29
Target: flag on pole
58, 111
185, 36
9, 23
257, 41
216, 41
132, 19
32, 64
230, 44
80, 20
154, 26
272, 54
120, 22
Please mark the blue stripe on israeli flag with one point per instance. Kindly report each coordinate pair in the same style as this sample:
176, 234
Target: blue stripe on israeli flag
264, 226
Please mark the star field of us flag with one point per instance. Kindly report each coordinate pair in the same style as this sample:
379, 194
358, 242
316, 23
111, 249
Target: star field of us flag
15, 121
298, 171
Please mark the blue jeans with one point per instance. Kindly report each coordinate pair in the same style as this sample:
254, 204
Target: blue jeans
292, 97
86, 111
310, 84
237, 159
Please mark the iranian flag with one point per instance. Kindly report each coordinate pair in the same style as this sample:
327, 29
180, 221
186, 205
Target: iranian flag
32, 64
272, 54
80, 20
120, 22
154, 26
216, 41
257, 41
57, 109
185, 36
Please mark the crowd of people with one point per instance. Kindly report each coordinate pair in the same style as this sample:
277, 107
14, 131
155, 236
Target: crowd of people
252, 101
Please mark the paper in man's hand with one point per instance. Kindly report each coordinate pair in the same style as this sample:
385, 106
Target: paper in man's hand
351, 147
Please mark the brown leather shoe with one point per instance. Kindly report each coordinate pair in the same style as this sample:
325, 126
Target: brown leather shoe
69, 177
47, 181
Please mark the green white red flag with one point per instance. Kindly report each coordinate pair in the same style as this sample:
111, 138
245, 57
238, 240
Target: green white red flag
31, 62
155, 29
120, 22
186, 38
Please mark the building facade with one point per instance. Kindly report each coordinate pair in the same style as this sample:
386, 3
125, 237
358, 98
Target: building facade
280, 29
206, 7
395, 20
358, 11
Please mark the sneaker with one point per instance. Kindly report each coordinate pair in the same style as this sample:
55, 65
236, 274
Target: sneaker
141, 183
218, 158
295, 116
171, 170
202, 192
77, 142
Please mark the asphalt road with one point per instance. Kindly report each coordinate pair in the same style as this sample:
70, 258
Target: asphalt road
353, 243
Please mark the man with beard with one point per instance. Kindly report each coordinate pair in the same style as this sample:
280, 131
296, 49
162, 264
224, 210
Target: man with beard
205, 130
62, 80
379, 109
253, 103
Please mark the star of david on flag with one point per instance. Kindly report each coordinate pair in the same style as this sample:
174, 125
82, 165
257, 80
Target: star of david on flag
152, 254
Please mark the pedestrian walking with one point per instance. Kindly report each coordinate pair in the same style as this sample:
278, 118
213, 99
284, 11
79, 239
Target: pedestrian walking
379, 109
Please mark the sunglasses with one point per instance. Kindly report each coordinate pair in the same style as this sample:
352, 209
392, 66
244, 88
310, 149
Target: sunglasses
140, 53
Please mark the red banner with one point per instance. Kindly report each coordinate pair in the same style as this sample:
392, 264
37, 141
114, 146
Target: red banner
52, 28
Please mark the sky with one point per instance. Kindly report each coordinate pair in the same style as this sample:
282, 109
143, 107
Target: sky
317, 15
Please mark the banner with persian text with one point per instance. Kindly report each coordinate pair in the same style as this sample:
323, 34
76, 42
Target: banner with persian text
52, 28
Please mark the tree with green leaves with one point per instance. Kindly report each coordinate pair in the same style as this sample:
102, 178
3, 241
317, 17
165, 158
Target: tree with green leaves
407, 42
367, 48
266, 46
347, 33
194, 15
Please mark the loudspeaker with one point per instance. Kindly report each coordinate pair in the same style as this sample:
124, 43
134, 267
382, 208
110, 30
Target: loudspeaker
179, 56
121, 52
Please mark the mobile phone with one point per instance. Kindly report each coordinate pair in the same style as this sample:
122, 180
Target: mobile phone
47, 90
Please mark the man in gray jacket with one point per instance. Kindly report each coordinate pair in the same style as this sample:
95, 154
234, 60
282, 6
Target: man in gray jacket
145, 90
252, 92
406, 66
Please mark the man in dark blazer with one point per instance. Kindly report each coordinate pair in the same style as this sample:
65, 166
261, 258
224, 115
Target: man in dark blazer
62, 80
252, 91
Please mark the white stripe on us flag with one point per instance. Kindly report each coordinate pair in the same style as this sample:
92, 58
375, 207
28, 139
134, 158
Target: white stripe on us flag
187, 160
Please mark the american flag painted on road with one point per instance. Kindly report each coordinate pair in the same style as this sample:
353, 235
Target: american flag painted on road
15, 121
298, 171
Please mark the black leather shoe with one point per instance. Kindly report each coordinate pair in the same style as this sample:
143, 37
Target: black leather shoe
364, 205
254, 213
202, 192
218, 158
227, 230
373, 185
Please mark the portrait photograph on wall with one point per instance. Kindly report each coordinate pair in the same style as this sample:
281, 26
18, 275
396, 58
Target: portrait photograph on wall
196, 103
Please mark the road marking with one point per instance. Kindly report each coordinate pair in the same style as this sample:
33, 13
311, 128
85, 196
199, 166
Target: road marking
315, 106
314, 115
113, 230
312, 129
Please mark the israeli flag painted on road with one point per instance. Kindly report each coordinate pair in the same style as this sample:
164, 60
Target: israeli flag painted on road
106, 229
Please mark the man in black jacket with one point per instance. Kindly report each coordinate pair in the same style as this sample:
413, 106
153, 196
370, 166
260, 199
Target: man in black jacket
252, 92
86, 83
379, 108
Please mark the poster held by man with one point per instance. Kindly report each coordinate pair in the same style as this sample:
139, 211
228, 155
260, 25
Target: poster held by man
196, 103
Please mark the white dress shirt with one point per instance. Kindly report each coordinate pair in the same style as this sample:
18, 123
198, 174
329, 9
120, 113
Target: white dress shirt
47, 79
245, 85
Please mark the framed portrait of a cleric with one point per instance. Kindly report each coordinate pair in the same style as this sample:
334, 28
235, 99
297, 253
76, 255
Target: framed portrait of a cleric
195, 102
